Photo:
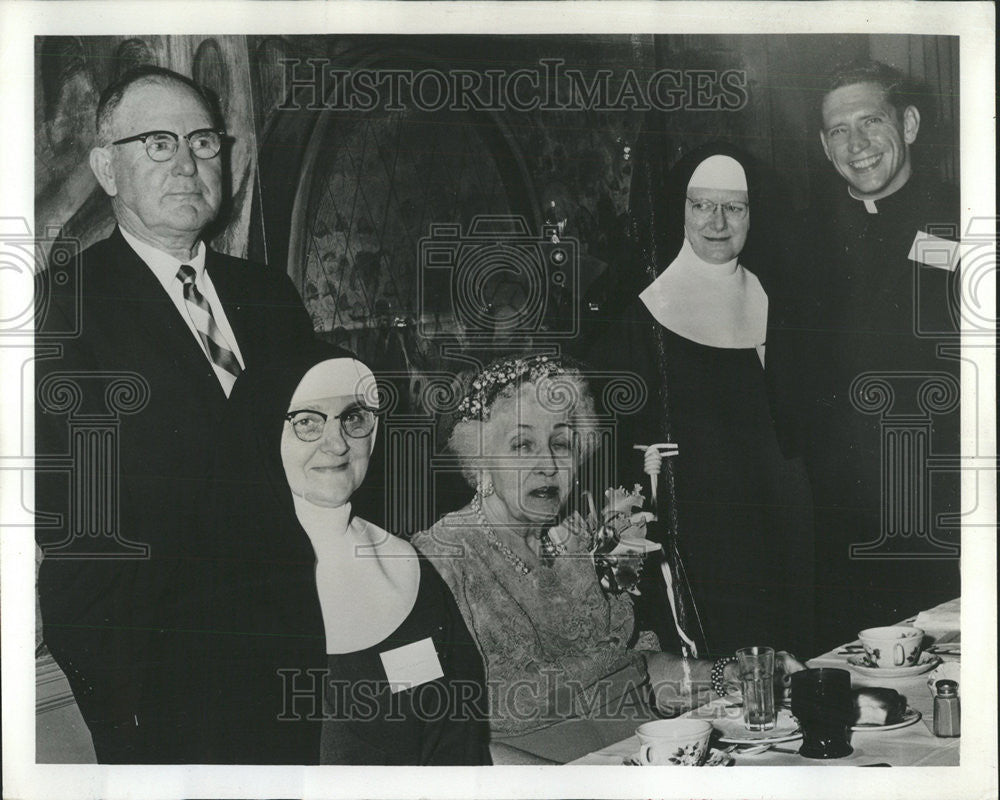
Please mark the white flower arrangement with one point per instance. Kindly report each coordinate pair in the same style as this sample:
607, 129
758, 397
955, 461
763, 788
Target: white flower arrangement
616, 538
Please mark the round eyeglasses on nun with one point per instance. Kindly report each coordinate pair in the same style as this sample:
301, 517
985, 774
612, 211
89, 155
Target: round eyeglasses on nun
356, 422
704, 209
203, 143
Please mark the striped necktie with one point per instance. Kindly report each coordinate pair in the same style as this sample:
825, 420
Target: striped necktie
215, 344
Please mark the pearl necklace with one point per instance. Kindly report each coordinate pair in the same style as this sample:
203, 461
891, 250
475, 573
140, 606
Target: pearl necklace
494, 540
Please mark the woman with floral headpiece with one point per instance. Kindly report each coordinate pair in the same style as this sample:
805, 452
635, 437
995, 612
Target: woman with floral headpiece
567, 671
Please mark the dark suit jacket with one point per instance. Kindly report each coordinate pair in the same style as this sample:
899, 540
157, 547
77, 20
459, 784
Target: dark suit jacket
852, 306
131, 402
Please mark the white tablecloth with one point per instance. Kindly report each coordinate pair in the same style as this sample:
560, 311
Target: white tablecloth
914, 745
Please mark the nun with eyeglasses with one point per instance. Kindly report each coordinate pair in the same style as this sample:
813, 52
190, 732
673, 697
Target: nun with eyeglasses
697, 337
361, 654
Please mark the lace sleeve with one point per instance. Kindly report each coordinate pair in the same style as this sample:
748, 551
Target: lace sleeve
534, 694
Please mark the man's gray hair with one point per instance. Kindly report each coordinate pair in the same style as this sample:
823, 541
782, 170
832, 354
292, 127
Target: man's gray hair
112, 96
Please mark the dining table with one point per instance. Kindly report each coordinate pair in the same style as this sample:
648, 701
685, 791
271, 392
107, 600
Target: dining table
908, 745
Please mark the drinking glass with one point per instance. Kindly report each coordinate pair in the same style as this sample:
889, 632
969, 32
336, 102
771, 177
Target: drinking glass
822, 703
756, 665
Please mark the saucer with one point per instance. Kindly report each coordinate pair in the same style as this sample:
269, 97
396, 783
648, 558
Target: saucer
863, 666
910, 716
732, 731
716, 758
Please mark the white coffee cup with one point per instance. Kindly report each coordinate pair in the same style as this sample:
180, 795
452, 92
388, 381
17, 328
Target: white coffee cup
892, 646
679, 742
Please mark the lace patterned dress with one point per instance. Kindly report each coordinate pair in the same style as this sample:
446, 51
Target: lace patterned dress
554, 645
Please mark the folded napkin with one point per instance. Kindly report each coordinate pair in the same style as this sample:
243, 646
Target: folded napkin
945, 617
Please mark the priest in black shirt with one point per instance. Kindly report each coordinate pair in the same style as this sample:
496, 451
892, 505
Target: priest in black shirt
863, 361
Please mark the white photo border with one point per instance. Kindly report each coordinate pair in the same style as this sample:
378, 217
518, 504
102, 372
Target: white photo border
973, 22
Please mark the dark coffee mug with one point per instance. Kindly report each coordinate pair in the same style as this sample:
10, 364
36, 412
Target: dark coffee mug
824, 707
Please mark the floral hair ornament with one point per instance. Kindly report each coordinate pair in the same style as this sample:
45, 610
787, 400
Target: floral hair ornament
492, 381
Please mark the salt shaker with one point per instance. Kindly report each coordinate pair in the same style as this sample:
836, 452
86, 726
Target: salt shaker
947, 710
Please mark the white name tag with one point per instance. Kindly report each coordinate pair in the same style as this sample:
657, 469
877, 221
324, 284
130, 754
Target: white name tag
933, 251
411, 665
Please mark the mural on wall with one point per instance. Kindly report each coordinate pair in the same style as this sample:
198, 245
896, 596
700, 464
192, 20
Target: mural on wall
71, 72
388, 178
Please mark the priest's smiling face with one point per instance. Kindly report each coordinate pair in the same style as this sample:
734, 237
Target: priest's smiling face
716, 235
868, 140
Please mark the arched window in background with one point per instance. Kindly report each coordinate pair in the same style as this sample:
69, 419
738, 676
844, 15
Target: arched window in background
374, 185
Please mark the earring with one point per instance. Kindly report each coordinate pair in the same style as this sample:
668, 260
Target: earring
484, 488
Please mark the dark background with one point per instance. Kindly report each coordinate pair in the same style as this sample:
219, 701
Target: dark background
342, 199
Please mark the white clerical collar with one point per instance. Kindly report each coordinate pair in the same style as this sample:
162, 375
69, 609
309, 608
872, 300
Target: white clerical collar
871, 206
719, 305
165, 265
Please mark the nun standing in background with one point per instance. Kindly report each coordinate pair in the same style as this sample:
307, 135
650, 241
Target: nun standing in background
696, 336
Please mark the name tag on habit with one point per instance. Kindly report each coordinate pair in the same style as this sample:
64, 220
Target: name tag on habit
933, 251
411, 665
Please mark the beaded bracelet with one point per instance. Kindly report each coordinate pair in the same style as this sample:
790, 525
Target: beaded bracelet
716, 675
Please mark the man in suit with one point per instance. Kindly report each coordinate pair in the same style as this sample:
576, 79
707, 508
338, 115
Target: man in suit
134, 586
858, 354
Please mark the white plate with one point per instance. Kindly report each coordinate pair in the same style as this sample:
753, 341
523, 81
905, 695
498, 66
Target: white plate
910, 716
731, 728
860, 665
